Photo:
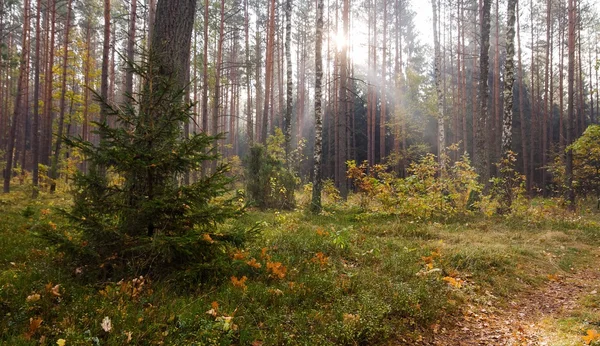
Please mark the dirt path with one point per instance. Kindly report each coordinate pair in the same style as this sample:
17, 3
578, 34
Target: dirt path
524, 321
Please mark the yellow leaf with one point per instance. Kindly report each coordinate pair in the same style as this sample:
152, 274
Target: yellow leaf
206, 237
592, 335
33, 298
61, 342
453, 282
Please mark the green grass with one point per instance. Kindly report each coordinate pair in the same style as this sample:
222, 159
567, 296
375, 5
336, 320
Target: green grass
350, 278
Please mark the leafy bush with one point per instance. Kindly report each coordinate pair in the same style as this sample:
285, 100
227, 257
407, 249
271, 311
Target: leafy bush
269, 183
509, 186
130, 215
425, 193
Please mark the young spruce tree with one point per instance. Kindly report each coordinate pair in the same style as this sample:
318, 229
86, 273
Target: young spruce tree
131, 215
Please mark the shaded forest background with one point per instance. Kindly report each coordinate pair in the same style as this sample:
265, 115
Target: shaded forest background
379, 92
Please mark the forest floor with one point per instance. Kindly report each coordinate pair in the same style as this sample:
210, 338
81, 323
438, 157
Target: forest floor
345, 277
552, 314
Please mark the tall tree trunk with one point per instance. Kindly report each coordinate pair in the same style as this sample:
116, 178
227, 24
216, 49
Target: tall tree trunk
249, 123
524, 137
172, 39
131, 47
290, 82
509, 79
46, 136
570, 193
316, 193
61, 117
268, 73
104, 73
438, 87
342, 150
481, 146
547, 105
35, 149
382, 123
20, 94
216, 116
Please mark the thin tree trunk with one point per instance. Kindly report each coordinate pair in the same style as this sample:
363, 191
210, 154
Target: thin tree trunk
46, 137
438, 86
249, 122
35, 149
290, 82
524, 137
570, 193
382, 123
268, 72
509, 78
20, 94
61, 118
316, 193
130, 47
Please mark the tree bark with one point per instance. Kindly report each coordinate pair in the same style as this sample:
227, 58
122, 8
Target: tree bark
130, 47
482, 164
509, 79
316, 193
22, 82
61, 118
570, 193
290, 82
438, 87
35, 149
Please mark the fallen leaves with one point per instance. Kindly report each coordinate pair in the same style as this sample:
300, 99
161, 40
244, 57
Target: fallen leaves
106, 324
239, 283
591, 336
277, 269
34, 325
456, 283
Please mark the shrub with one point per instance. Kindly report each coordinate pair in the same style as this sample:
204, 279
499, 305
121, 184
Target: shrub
269, 183
130, 215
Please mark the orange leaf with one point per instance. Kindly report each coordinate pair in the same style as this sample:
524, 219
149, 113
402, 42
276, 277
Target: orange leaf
277, 269
253, 263
240, 283
453, 282
592, 335
34, 325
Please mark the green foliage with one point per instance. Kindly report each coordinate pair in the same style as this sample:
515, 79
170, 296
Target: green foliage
586, 161
130, 214
269, 183
509, 185
425, 193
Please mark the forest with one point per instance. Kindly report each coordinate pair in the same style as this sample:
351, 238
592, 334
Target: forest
291, 172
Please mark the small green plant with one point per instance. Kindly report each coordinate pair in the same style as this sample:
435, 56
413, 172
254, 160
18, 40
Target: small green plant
130, 214
269, 183
509, 186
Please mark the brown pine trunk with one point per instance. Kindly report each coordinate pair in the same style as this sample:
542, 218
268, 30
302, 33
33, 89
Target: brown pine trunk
524, 136
130, 47
46, 135
570, 193
249, 120
22, 82
61, 118
35, 147
482, 163
383, 117
268, 72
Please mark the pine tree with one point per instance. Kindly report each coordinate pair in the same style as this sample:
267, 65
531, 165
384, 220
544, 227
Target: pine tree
138, 219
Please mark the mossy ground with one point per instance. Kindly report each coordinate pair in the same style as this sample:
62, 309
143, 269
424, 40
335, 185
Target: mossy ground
341, 278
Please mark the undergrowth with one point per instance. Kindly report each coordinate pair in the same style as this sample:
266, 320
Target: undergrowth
344, 277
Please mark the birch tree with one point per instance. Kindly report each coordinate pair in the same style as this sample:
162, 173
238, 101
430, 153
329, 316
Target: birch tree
316, 192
